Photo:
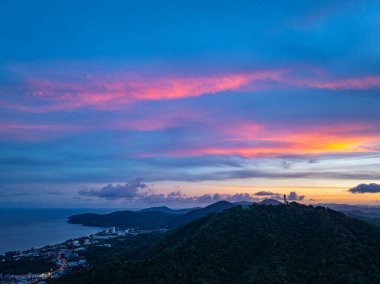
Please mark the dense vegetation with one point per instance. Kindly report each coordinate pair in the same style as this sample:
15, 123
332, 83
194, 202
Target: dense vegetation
25, 265
199, 213
131, 248
262, 244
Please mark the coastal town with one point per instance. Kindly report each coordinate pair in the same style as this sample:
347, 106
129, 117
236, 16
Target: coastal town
61, 258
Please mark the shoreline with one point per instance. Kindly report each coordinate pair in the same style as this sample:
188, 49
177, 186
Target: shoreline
23, 229
67, 255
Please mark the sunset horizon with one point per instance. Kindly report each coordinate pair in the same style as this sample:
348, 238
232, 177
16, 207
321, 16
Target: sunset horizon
127, 106
189, 141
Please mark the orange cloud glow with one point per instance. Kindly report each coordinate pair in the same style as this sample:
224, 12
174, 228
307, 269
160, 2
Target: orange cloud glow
267, 143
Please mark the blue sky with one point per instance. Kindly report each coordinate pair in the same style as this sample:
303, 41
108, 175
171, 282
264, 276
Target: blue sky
187, 102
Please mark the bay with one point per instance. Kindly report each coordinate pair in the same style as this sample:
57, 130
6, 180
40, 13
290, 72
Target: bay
22, 229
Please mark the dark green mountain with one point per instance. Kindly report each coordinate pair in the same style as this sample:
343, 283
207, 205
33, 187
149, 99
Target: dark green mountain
259, 244
199, 213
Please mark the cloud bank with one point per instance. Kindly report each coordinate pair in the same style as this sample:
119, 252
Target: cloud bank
293, 196
137, 191
264, 193
127, 191
365, 188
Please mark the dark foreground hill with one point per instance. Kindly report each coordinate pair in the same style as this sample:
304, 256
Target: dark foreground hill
261, 244
199, 213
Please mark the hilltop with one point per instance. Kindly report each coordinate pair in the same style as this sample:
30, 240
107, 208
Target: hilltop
255, 244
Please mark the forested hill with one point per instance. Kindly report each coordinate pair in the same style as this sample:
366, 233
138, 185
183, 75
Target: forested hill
259, 244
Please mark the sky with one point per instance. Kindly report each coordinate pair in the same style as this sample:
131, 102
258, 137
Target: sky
184, 103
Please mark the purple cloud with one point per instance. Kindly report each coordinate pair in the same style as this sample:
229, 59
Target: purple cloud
129, 190
264, 193
139, 191
365, 188
293, 196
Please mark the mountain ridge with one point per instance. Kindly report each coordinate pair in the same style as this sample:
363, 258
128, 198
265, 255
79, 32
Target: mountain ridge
166, 209
149, 218
259, 244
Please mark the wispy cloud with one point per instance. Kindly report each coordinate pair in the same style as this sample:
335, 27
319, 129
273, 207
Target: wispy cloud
358, 83
264, 193
268, 141
115, 90
40, 91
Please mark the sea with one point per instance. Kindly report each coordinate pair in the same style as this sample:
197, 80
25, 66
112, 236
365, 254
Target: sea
22, 229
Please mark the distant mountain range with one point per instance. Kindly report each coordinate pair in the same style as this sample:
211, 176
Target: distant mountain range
164, 217
251, 244
369, 214
269, 202
149, 218
168, 210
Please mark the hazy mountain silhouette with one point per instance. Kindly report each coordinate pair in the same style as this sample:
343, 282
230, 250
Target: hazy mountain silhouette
269, 202
168, 210
150, 218
129, 219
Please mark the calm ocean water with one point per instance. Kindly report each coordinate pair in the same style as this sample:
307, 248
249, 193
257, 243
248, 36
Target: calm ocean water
26, 228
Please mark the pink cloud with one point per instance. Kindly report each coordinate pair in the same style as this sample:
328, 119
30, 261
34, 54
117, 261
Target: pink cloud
319, 79
67, 90
110, 92
368, 82
13, 126
16, 131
